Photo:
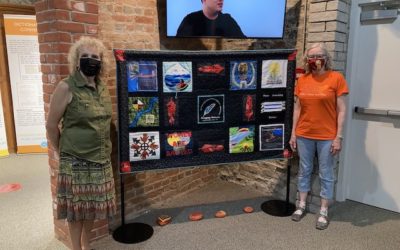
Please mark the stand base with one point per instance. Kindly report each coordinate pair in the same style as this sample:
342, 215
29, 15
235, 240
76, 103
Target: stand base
133, 233
278, 208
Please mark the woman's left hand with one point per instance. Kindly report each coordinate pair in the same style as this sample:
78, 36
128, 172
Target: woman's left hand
336, 146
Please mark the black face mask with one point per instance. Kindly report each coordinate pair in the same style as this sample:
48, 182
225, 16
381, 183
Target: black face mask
90, 66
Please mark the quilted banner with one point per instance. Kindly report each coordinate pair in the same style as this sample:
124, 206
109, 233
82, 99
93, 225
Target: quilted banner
194, 108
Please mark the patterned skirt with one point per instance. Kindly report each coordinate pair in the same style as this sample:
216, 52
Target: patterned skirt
85, 189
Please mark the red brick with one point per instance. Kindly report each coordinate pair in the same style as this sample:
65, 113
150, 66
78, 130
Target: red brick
78, 6
42, 16
42, 58
44, 27
46, 98
55, 37
70, 27
45, 78
46, 69
61, 69
40, 6
51, 15
85, 18
119, 18
64, 70
57, 4
149, 12
92, 8
63, 47
55, 58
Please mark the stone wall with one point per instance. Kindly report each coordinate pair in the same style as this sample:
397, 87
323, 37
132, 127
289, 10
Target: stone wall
328, 22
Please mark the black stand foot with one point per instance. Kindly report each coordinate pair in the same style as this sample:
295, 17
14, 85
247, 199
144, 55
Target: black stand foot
130, 233
133, 233
278, 208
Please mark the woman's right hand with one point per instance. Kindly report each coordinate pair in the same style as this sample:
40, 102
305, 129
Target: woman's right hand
293, 142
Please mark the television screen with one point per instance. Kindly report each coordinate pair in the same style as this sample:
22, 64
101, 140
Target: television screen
229, 18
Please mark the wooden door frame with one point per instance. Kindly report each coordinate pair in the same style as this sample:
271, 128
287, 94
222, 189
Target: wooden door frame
5, 86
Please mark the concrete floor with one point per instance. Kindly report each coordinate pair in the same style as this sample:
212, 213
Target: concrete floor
26, 219
26, 215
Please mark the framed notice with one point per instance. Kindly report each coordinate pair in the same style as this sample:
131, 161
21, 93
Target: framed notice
195, 108
26, 82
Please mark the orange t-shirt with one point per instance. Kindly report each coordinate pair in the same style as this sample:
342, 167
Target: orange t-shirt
317, 96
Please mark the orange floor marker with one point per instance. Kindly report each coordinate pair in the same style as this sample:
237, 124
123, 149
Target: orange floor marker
6, 188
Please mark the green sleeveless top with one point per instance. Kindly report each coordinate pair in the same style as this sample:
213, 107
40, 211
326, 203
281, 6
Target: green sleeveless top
85, 131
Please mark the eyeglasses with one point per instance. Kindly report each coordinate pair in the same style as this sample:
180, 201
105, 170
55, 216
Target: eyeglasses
315, 56
94, 56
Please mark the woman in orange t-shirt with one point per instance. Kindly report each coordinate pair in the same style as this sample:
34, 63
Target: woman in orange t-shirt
318, 117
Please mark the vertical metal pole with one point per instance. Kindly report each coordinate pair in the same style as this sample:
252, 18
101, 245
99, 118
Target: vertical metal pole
122, 199
289, 165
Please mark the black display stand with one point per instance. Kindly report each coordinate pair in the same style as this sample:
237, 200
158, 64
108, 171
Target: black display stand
131, 233
278, 207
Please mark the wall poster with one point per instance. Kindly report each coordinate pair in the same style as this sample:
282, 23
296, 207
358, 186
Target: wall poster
193, 108
3, 136
26, 83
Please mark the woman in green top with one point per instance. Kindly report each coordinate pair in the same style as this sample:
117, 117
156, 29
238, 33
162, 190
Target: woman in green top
82, 105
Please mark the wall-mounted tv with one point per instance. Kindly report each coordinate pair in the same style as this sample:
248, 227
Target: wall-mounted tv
229, 18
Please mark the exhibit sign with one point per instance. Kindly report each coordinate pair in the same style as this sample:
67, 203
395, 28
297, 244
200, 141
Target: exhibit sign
26, 82
3, 137
194, 108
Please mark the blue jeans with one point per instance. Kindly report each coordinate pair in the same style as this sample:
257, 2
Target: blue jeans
306, 148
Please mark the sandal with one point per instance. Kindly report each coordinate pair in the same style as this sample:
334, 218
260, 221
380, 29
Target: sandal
299, 214
322, 225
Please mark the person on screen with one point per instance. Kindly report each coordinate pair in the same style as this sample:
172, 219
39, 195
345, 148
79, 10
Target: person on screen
318, 118
82, 104
210, 21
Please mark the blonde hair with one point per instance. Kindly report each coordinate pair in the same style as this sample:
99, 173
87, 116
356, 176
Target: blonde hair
328, 58
86, 41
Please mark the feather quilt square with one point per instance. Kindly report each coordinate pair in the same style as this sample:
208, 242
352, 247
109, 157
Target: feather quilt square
210, 109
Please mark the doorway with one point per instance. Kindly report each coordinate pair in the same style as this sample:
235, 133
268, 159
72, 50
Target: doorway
369, 171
